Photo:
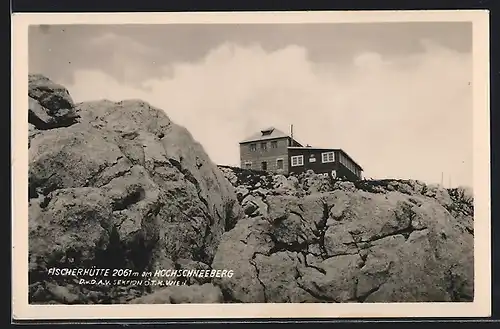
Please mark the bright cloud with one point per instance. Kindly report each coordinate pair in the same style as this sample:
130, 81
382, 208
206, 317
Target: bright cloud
398, 117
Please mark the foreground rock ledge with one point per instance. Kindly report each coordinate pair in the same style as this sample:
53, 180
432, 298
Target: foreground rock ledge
388, 241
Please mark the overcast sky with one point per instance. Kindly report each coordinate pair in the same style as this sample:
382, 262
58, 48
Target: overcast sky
397, 97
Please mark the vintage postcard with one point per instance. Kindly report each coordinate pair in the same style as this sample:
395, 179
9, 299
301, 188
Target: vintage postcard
251, 165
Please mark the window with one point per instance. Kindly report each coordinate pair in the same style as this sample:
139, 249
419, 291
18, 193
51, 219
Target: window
253, 147
248, 165
263, 146
297, 160
267, 132
328, 157
279, 163
263, 165
274, 144
312, 159
352, 167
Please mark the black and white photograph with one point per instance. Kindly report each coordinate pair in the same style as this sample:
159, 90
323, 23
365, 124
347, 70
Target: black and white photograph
266, 161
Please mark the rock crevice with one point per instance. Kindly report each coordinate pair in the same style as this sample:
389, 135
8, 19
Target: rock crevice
387, 241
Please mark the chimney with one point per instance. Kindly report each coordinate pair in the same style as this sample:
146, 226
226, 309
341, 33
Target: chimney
291, 133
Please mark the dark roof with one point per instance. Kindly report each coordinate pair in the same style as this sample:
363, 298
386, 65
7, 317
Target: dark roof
327, 149
265, 134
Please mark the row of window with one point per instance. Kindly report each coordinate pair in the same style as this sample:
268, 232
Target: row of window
263, 164
298, 160
263, 146
326, 157
349, 165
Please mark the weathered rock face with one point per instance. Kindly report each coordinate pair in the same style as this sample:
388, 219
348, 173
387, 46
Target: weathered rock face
50, 104
381, 241
119, 185
116, 185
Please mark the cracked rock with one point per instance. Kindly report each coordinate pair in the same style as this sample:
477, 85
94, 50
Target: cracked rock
351, 244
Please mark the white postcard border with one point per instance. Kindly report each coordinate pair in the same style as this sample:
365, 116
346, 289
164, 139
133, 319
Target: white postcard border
19, 162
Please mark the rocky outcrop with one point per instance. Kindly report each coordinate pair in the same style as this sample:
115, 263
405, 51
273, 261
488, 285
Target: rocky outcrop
367, 241
50, 104
116, 185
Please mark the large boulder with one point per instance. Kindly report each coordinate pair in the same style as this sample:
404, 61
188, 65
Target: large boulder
49, 104
123, 186
349, 245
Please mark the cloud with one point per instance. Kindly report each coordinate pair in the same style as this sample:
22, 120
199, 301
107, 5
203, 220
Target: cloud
127, 59
59, 50
120, 44
407, 117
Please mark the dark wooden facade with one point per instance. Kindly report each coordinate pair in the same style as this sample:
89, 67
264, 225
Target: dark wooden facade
332, 162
